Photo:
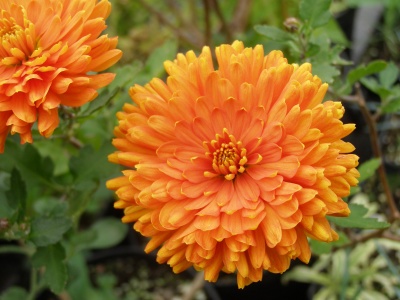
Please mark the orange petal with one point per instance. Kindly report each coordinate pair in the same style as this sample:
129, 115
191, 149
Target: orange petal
22, 109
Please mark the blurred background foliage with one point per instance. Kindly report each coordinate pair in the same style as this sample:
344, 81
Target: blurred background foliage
60, 237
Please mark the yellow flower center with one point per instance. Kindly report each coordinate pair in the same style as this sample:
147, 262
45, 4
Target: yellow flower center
7, 28
228, 156
15, 37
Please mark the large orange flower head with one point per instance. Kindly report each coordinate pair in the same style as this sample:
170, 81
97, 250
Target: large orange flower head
47, 49
232, 169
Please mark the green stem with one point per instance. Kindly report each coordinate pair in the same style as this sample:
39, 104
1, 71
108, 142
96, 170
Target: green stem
224, 25
370, 120
83, 205
16, 249
36, 285
207, 21
303, 35
346, 276
33, 284
394, 212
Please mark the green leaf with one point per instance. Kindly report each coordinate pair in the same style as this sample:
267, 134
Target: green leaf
90, 169
92, 164
103, 99
327, 293
373, 85
6, 211
361, 254
320, 248
106, 284
307, 275
124, 75
14, 293
97, 130
338, 265
323, 57
50, 225
32, 166
155, 63
335, 34
391, 106
4, 180
16, 195
354, 190
391, 266
312, 49
273, 33
325, 71
315, 13
108, 232
47, 231
389, 75
80, 196
358, 3
79, 282
82, 240
50, 207
58, 153
373, 67
357, 219
372, 295
52, 258
32, 163
368, 168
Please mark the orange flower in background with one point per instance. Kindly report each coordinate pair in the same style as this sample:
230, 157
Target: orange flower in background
47, 49
232, 169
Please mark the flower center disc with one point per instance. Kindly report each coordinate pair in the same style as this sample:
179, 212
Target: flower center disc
6, 27
16, 37
229, 156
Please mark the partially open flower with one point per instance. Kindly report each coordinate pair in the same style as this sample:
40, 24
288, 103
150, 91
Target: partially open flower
233, 169
47, 49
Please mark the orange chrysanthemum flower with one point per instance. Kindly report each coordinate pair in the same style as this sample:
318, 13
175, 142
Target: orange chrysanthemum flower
232, 169
47, 48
